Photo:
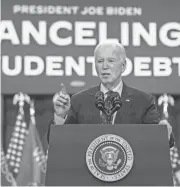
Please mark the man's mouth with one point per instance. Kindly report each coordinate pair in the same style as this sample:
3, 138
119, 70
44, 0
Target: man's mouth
105, 73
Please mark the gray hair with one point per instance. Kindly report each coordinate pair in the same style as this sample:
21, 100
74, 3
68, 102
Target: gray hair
117, 45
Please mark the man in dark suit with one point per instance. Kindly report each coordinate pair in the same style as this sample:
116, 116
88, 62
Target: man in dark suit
137, 107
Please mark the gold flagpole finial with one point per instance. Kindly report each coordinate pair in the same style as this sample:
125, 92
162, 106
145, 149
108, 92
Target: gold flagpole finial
21, 98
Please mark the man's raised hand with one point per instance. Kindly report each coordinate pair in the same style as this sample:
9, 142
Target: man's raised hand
62, 102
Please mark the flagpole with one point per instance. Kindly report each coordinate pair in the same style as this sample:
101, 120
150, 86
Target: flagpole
32, 112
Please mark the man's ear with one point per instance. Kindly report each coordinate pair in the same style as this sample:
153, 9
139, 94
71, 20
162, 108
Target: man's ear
124, 66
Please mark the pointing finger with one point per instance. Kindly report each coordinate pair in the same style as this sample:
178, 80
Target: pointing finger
63, 89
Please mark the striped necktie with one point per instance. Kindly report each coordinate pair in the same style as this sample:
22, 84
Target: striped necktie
107, 104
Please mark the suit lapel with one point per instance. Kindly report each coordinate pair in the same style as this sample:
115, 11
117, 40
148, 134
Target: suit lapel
126, 98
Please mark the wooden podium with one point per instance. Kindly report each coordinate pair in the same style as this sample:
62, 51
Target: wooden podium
67, 155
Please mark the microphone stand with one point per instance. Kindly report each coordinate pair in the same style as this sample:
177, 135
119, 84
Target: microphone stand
108, 114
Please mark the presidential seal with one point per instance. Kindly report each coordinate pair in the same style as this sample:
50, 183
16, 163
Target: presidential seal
109, 158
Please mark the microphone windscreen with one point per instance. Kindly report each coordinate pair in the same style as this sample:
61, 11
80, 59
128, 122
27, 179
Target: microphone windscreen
99, 95
117, 100
99, 100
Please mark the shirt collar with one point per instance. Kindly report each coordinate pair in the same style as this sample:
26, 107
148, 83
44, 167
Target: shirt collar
118, 88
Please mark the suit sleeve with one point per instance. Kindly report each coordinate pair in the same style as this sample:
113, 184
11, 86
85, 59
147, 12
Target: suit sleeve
72, 114
152, 116
71, 117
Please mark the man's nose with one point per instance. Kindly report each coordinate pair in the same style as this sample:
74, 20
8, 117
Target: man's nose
105, 65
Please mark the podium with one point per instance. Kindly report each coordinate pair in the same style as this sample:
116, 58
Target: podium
68, 146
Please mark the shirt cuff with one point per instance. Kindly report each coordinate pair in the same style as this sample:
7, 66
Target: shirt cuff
59, 120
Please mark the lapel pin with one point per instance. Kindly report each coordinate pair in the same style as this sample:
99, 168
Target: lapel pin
127, 100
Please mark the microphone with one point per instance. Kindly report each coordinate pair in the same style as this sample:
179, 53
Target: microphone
100, 101
116, 101
115, 104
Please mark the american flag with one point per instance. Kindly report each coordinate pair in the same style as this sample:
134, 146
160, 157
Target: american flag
7, 178
38, 152
33, 162
40, 158
175, 161
15, 148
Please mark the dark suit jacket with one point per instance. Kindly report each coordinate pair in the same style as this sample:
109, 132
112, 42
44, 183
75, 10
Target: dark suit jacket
138, 107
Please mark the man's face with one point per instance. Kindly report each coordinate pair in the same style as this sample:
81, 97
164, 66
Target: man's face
109, 65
